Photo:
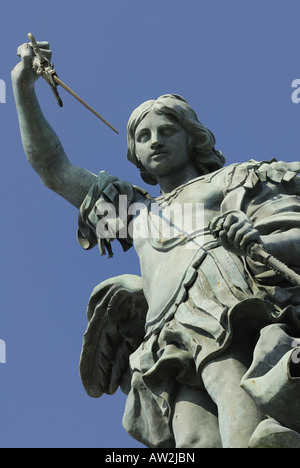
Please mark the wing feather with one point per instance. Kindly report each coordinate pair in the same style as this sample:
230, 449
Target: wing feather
116, 313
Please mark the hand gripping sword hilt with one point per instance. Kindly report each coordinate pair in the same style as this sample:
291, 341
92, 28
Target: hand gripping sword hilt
43, 67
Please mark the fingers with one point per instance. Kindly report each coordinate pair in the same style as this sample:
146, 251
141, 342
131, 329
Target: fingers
249, 238
236, 217
237, 233
46, 53
43, 45
25, 51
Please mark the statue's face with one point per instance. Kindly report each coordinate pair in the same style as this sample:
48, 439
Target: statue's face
161, 144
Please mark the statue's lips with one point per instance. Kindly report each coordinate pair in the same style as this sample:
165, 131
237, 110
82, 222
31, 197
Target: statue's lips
158, 154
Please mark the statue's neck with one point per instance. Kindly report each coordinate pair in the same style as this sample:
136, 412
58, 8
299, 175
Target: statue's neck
172, 181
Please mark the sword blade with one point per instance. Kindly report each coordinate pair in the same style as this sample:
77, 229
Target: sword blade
69, 90
52, 77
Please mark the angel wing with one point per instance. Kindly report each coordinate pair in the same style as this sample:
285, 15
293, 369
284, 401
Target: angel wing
116, 312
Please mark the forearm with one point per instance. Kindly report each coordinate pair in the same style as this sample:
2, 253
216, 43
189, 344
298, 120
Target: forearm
284, 246
38, 138
44, 150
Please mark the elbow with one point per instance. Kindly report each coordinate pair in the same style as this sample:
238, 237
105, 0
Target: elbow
53, 174
49, 179
50, 184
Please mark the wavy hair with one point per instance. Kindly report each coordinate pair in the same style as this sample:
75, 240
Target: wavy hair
201, 140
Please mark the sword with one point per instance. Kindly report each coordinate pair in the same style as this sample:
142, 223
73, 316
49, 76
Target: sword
259, 254
49, 74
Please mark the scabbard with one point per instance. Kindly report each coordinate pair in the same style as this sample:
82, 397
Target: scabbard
257, 253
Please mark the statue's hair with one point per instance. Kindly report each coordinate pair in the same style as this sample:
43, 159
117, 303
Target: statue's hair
201, 141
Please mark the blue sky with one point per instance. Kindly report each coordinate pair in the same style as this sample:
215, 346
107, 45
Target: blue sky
234, 61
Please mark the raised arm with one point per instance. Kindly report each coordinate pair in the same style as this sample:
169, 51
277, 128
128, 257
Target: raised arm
43, 148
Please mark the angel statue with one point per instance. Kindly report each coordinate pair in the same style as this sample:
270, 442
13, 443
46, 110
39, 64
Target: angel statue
205, 342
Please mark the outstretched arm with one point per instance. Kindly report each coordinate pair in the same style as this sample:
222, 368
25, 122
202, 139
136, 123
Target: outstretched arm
43, 148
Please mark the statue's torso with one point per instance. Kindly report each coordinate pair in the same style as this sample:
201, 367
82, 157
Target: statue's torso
167, 249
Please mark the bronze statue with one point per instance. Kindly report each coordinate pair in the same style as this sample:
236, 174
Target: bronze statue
205, 341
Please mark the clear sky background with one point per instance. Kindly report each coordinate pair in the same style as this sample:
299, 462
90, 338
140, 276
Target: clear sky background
233, 60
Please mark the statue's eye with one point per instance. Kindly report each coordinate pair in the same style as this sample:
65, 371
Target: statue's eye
168, 130
143, 136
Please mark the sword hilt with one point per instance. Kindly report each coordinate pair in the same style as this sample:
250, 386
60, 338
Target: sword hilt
48, 70
37, 50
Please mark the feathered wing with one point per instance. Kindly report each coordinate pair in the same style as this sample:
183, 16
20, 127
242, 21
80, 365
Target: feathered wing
116, 314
